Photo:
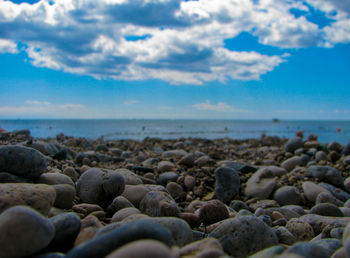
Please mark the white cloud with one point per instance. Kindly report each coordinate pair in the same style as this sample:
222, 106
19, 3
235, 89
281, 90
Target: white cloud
219, 107
45, 109
130, 102
179, 41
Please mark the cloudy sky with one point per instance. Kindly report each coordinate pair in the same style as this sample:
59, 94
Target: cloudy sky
241, 59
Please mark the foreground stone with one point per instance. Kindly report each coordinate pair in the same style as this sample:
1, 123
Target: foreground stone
24, 232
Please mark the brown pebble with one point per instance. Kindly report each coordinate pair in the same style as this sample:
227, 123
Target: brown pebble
213, 211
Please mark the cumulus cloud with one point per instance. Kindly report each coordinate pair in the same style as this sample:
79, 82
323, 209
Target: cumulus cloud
172, 40
219, 107
130, 102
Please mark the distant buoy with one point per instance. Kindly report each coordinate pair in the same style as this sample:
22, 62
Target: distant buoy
339, 130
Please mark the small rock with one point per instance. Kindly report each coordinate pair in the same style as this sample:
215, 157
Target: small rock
312, 190
335, 146
189, 182
347, 184
67, 227
10, 178
176, 191
103, 245
167, 177
287, 195
130, 178
325, 197
54, 179
331, 245
244, 168
338, 193
321, 155
327, 174
123, 213
69, 171
293, 144
327, 209
157, 204
285, 236
318, 222
208, 247
24, 232
291, 163
213, 211
65, 195
22, 161
38, 196
238, 205
135, 193
188, 160
307, 250
227, 183
300, 229
165, 166
244, 235
142, 248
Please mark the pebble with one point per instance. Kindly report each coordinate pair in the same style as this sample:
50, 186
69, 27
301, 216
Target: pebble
142, 248
213, 211
318, 222
327, 209
227, 183
135, 193
188, 160
327, 174
10, 178
291, 163
174, 154
38, 196
293, 144
285, 236
123, 213
261, 184
312, 190
164, 166
157, 204
69, 171
244, 235
28, 229
67, 227
338, 193
347, 184
98, 187
238, 205
331, 245
130, 178
335, 146
167, 177
325, 197
244, 168
208, 247
307, 250
22, 161
190, 182
321, 155
300, 229
65, 195
287, 195
176, 191
103, 245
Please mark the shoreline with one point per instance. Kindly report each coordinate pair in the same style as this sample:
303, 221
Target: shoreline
199, 190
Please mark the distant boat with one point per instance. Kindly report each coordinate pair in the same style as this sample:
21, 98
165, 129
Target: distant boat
275, 120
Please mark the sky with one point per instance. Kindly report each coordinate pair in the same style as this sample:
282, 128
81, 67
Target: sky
227, 59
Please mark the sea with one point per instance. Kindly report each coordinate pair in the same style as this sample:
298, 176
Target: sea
138, 129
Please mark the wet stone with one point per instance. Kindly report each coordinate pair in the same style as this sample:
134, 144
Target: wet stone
227, 183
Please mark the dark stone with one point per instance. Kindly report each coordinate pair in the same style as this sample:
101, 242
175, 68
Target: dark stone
327, 174
142, 169
104, 244
213, 211
338, 193
22, 161
244, 168
327, 209
238, 205
10, 178
294, 144
61, 155
158, 204
167, 177
244, 235
308, 250
331, 245
227, 183
67, 227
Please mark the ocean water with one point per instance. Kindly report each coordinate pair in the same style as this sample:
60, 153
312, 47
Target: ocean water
139, 129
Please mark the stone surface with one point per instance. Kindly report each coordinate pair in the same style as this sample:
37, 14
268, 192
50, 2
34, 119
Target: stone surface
208, 247
300, 229
65, 195
165, 166
142, 248
54, 179
337, 192
24, 232
291, 163
327, 174
287, 195
213, 211
98, 187
318, 222
10, 178
67, 227
227, 183
293, 144
245, 235
327, 209
22, 161
130, 178
167, 177
285, 236
156, 204
325, 197
123, 213
307, 250
38, 196
103, 245
135, 194
312, 190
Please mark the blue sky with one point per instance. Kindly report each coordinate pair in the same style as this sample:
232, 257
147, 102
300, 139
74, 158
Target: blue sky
236, 59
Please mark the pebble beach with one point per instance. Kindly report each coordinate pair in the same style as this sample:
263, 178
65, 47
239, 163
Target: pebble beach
186, 197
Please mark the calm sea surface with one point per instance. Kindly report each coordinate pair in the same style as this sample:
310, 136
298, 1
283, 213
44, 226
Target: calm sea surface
170, 129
